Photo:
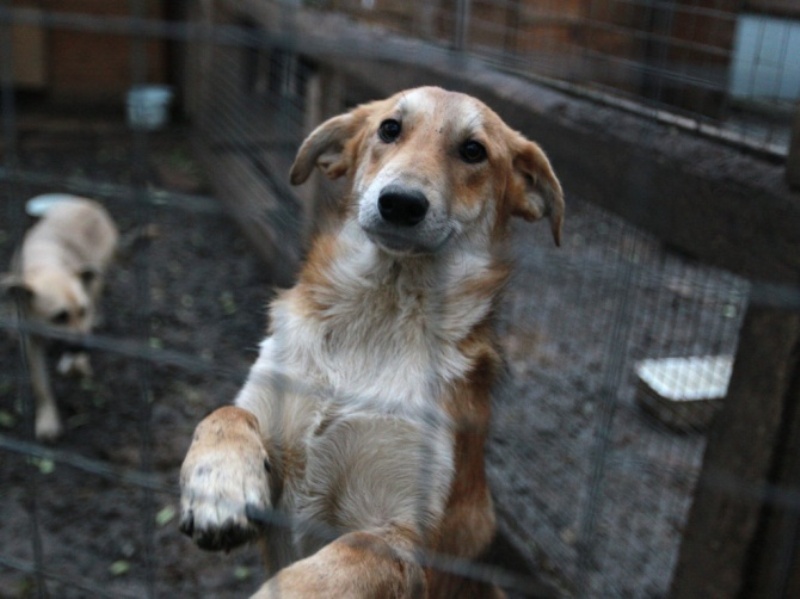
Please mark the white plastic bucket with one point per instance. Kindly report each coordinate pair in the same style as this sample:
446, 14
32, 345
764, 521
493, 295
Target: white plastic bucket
148, 106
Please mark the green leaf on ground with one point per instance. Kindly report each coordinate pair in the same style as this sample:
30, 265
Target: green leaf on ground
45, 465
119, 567
165, 515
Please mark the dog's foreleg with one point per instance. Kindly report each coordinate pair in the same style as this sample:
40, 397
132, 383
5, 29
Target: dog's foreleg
225, 474
48, 422
377, 564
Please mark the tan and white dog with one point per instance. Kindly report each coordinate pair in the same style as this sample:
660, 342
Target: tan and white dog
364, 419
58, 276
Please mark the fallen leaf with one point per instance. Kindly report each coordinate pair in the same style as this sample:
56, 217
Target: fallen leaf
119, 567
165, 515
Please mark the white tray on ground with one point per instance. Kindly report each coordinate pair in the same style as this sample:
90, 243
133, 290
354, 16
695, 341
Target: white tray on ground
683, 393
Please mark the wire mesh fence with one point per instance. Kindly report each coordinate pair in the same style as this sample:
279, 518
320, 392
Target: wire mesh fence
725, 66
593, 473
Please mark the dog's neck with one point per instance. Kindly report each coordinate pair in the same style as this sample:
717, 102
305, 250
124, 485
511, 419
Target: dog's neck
351, 280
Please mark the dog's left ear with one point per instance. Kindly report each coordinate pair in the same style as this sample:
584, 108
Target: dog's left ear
15, 287
537, 192
325, 148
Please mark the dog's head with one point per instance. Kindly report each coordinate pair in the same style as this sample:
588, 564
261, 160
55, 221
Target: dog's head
54, 297
427, 166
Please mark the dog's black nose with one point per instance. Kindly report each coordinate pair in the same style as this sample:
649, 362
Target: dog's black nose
402, 207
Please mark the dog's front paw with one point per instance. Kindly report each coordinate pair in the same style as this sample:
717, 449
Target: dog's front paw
225, 481
48, 423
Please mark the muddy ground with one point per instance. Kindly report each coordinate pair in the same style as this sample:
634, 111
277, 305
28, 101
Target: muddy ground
592, 493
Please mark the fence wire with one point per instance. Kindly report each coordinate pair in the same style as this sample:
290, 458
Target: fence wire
592, 481
725, 66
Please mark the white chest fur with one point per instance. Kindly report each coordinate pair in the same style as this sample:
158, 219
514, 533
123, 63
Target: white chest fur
388, 335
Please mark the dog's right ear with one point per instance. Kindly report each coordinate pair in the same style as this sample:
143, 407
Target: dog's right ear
540, 193
15, 287
88, 276
325, 147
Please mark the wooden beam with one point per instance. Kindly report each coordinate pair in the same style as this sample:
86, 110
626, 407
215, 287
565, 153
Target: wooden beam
774, 568
718, 547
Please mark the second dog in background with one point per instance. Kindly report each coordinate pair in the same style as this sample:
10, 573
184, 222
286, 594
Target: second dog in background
57, 275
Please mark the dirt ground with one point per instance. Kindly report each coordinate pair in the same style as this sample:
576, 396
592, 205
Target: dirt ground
588, 489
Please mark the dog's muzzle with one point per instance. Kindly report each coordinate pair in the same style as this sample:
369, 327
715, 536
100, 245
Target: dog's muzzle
402, 207
402, 220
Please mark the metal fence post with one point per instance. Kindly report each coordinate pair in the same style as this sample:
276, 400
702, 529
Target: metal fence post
793, 159
462, 25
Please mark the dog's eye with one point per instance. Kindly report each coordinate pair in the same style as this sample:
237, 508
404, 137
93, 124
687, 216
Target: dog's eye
389, 130
471, 151
60, 318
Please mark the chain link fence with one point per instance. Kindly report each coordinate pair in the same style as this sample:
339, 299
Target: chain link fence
593, 466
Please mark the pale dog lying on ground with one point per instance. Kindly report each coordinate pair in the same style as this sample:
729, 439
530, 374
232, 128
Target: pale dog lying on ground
58, 276
367, 411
